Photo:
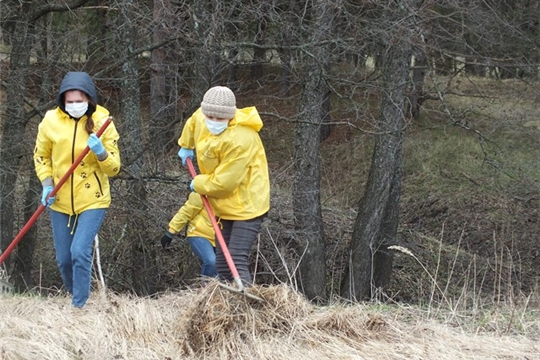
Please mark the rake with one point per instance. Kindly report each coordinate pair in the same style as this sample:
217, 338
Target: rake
232, 267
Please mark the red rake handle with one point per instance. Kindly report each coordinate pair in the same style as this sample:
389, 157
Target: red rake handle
57, 187
217, 230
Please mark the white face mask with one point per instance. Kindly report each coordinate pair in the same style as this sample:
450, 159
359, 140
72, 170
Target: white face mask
216, 127
77, 109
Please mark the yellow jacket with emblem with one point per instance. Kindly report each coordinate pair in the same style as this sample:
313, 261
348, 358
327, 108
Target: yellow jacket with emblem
193, 215
60, 140
233, 166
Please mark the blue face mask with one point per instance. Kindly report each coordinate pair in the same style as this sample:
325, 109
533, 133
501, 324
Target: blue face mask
216, 127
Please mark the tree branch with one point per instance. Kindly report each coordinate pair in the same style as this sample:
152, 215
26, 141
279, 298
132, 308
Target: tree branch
40, 11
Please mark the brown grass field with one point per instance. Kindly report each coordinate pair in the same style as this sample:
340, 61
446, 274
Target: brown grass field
212, 323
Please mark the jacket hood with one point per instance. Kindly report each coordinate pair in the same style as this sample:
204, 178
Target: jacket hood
77, 81
248, 116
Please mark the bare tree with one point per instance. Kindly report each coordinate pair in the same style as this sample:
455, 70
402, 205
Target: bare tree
142, 254
160, 106
370, 264
306, 184
24, 264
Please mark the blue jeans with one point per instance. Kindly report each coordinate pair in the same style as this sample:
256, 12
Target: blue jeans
73, 239
206, 252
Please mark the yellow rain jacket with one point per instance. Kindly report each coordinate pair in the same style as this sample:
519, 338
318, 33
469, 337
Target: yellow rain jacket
194, 215
59, 142
233, 165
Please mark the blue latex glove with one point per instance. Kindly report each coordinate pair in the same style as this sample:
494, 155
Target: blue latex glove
191, 185
95, 144
184, 154
46, 191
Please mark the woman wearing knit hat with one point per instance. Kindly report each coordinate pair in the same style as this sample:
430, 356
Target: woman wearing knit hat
233, 172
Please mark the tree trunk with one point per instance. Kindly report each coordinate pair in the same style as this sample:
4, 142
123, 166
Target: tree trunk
13, 121
369, 265
231, 70
159, 115
417, 95
259, 53
309, 228
306, 193
143, 259
202, 57
326, 128
286, 74
22, 272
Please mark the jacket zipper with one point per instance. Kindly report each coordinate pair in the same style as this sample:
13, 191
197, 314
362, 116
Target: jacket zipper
72, 161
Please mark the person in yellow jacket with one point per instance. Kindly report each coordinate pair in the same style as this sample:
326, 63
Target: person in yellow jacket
199, 232
233, 172
79, 207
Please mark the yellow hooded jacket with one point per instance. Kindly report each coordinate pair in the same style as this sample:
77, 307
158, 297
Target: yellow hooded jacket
59, 142
234, 170
194, 215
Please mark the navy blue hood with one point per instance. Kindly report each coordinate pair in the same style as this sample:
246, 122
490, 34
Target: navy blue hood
77, 81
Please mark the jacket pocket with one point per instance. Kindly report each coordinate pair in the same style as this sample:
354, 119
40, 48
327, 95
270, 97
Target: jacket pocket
99, 192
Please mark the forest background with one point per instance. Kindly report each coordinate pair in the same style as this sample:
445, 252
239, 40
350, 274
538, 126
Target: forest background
402, 139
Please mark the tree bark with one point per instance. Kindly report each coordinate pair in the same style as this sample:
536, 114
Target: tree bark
159, 129
14, 121
142, 254
24, 260
369, 265
417, 94
260, 38
309, 227
22, 271
202, 57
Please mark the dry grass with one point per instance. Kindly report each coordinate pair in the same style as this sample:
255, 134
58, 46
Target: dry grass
212, 323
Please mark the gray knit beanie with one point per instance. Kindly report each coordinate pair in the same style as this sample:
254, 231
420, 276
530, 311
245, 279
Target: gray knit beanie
219, 102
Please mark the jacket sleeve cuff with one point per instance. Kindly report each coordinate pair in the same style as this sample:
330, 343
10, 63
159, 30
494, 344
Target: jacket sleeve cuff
48, 181
104, 155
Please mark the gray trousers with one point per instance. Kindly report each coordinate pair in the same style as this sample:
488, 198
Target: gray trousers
239, 236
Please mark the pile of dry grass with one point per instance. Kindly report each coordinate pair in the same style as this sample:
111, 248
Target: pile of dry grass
221, 319
222, 322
